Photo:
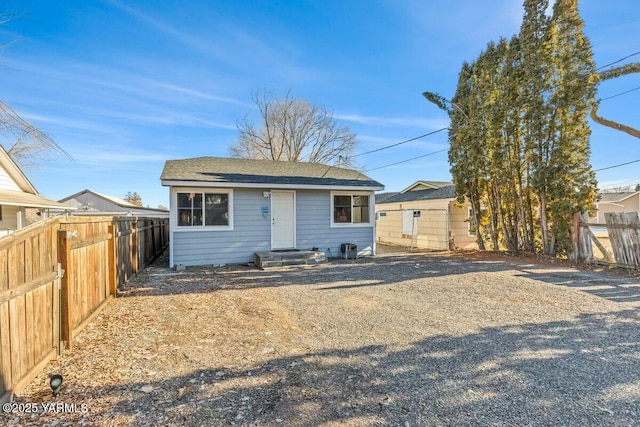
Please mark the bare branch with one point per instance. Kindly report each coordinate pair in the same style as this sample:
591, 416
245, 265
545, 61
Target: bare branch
26, 143
613, 74
610, 123
292, 129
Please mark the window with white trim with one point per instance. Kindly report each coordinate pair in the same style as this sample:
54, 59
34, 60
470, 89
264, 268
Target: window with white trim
203, 209
351, 209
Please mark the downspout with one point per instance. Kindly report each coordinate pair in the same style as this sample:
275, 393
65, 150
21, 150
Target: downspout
173, 213
375, 231
449, 225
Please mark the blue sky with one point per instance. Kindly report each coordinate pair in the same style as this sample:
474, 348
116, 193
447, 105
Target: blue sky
125, 85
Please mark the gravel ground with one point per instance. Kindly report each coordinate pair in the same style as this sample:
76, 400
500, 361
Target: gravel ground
399, 339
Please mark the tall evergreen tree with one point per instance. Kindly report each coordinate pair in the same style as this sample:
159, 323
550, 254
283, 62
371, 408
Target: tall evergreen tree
519, 133
572, 185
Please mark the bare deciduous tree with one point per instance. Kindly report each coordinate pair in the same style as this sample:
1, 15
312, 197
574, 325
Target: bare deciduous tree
24, 142
292, 129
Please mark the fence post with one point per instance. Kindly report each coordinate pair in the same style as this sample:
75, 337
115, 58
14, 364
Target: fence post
576, 236
113, 270
153, 238
66, 309
134, 246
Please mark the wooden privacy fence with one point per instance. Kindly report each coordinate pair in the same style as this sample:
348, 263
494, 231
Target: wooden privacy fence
55, 276
617, 242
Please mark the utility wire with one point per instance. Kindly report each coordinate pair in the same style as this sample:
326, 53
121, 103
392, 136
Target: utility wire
440, 130
399, 143
619, 94
407, 160
619, 60
617, 166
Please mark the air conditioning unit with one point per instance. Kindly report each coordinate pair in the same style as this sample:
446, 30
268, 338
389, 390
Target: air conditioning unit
348, 251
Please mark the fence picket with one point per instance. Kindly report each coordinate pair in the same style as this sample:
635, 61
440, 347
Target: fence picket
98, 254
623, 231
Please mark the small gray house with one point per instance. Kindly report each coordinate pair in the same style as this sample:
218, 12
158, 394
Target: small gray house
223, 210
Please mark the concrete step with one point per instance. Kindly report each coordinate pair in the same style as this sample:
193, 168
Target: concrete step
266, 259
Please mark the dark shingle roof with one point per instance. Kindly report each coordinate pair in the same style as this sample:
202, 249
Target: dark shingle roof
383, 197
446, 192
231, 170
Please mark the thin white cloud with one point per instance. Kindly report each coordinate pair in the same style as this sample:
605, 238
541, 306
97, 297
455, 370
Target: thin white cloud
371, 142
197, 43
235, 46
162, 118
93, 77
111, 157
165, 118
67, 122
199, 94
416, 122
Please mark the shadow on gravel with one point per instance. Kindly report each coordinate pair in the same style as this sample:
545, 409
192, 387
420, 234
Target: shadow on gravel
372, 271
617, 289
582, 372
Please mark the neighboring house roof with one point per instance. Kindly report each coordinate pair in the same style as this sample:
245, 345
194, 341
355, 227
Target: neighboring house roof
426, 185
72, 201
382, 197
118, 201
446, 192
18, 198
616, 197
28, 196
420, 190
223, 171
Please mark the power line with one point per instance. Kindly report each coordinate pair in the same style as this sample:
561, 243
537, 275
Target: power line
619, 60
399, 143
622, 183
440, 130
621, 93
617, 166
407, 160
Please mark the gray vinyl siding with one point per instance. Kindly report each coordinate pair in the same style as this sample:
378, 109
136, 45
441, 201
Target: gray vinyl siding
313, 216
251, 232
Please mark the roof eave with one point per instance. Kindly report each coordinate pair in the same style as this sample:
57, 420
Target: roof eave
38, 205
180, 183
416, 200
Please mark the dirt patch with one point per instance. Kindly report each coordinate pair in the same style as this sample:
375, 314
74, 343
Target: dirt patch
398, 339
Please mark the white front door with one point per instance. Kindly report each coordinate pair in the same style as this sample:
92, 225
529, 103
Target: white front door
283, 219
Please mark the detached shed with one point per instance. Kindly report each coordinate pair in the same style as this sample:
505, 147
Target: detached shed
425, 215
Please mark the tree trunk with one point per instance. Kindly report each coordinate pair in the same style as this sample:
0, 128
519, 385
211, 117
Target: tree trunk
477, 215
544, 228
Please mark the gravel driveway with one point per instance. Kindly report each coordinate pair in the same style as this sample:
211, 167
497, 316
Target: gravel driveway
399, 339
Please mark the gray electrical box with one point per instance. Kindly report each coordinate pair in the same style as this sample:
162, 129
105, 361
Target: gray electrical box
348, 251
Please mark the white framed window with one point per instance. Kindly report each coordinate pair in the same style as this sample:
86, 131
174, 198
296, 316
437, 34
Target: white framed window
350, 209
197, 209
